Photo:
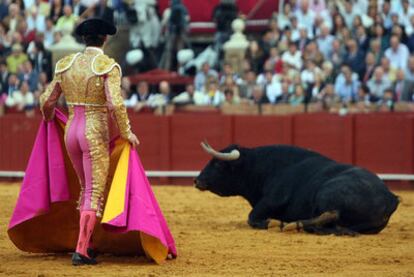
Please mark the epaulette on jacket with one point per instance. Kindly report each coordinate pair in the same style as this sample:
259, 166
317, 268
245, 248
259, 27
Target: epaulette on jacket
65, 63
102, 64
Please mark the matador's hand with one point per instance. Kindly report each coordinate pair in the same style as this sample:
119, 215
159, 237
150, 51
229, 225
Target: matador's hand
133, 140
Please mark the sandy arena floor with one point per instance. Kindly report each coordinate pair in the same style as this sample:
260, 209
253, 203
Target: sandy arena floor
213, 239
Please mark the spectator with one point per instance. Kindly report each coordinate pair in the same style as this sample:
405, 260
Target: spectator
272, 88
247, 84
21, 99
402, 87
382, 36
216, 97
49, 33
16, 59
405, 13
228, 73
409, 72
306, 16
275, 60
202, 76
12, 21
386, 14
25, 35
143, 91
293, 57
389, 71
255, 56
362, 39
176, 36
223, 15
354, 57
4, 75
348, 90
364, 97
101, 10
398, 53
191, 96
348, 13
129, 95
375, 49
312, 53
162, 98
284, 96
298, 96
303, 40
328, 72
67, 21
258, 95
328, 98
40, 58
41, 86
409, 30
325, 41
56, 10
230, 99
36, 21
308, 75
369, 67
145, 32
388, 100
316, 88
337, 55
283, 19
378, 83
29, 75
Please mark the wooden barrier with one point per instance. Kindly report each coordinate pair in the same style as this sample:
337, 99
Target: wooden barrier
382, 143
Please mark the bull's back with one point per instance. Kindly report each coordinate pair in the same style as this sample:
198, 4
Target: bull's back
314, 184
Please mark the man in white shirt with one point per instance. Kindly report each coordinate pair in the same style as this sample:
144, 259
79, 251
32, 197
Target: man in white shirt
325, 41
273, 89
21, 99
398, 53
293, 57
191, 96
306, 16
36, 21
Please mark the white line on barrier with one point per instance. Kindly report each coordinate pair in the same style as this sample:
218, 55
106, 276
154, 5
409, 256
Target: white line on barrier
192, 174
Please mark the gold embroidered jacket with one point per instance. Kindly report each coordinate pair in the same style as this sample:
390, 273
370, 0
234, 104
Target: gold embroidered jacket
90, 79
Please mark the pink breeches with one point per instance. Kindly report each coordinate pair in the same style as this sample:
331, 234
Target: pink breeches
87, 144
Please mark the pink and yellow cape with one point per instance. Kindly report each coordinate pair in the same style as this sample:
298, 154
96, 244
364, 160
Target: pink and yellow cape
45, 219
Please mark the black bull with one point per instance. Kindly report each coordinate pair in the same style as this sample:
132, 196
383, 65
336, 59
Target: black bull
291, 187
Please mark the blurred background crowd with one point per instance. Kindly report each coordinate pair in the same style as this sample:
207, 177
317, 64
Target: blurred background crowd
342, 52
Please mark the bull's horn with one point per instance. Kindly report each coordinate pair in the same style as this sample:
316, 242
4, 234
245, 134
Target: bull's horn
233, 155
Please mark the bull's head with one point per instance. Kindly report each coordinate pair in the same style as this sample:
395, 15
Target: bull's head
222, 173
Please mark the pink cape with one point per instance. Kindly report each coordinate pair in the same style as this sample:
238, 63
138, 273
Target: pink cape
45, 219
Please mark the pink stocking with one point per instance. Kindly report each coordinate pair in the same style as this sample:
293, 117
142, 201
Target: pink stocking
87, 224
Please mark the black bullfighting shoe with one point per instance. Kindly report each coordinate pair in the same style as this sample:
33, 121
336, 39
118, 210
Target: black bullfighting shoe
78, 259
92, 253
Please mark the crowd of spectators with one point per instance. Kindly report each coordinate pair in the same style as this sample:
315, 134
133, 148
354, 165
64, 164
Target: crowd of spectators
346, 52
325, 51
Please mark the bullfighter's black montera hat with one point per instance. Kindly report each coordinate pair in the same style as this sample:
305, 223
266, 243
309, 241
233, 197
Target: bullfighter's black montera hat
95, 26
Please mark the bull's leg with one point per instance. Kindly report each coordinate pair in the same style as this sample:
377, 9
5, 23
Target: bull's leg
317, 222
259, 216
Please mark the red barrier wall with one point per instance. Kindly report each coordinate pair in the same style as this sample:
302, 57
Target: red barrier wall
382, 143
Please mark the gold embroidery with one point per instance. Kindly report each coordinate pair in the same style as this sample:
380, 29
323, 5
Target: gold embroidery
81, 85
116, 101
47, 100
65, 63
102, 64
97, 135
